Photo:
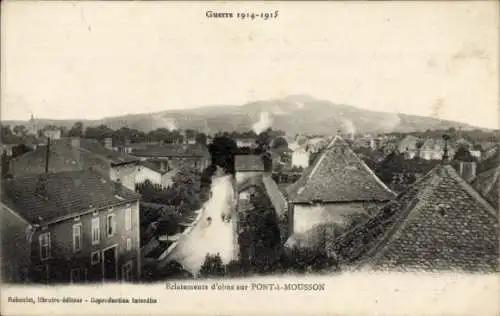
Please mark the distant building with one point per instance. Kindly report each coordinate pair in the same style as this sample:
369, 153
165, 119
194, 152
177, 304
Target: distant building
32, 128
475, 153
246, 142
52, 133
433, 149
175, 155
409, 146
7, 149
157, 172
338, 185
300, 157
247, 166
69, 227
438, 224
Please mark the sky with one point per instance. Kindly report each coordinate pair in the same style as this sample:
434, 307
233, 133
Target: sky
89, 60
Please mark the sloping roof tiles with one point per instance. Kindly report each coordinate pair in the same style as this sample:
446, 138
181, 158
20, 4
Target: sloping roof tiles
338, 175
439, 223
54, 196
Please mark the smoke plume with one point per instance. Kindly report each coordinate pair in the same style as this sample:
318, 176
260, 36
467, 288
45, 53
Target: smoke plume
348, 126
164, 122
265, 121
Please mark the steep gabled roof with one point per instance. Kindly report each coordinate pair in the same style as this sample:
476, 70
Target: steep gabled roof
64, 194
439, 223
338, 175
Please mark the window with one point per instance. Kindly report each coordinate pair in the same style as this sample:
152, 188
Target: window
77, 237
129, 243
127, 271
42, 274
44, 240
110, 225
128, 218
96, 231
95, 257
78, 275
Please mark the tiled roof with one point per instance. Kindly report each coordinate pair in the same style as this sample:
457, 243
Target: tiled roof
115, 157
338, 175
66, 194
62, 157
153, 166
248, 163
171, 150
439, 223
486, 183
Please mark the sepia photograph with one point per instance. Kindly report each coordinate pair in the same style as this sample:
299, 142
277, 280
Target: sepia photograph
250, 158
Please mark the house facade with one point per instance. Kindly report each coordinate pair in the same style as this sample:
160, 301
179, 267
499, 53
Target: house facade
337, 186
78, 226
300, 157
409, 146
156, 173
52, 133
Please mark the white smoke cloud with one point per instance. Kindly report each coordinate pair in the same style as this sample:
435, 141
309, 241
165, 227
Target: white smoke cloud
348, 126
164, 122
390, 122
265, 121
300, 105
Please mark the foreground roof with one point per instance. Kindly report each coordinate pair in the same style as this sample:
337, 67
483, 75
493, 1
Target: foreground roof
439, 223
65, 194
338, 175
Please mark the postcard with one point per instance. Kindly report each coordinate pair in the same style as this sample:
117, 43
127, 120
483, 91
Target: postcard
249, 158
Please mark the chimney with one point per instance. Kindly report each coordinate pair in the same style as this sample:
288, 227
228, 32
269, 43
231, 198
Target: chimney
162, 166
445, 157
467, 170
108, 143
117, 187
75, 150
41, 185
47, 155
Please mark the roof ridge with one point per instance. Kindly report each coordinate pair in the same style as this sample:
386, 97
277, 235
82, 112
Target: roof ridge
370, 171
400, 222
470, 190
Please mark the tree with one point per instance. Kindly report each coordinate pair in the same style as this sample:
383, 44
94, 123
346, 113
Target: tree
263, 139
279, 142
201, 139
76, 130
100, 132
462, 154
20, 130
222, 150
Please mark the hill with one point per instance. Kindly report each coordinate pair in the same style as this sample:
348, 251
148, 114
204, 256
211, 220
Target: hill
293, 114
